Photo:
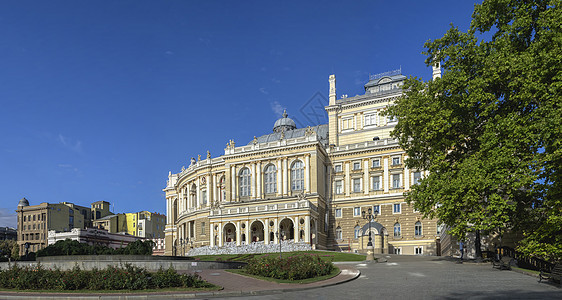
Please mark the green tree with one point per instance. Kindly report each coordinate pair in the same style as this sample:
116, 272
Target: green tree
489, 131
9, 249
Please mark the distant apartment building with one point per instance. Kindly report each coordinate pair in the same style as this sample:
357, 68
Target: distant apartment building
35, 221
8, 233
93, 236
143, 224
146, 224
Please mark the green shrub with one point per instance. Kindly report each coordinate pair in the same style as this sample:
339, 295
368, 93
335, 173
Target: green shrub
126, 277
70, 247
295, 267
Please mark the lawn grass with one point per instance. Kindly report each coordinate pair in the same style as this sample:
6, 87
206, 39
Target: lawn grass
324, 255
334, 273
211, 287
535, 272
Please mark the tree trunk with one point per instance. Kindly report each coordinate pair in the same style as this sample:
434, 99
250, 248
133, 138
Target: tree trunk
478, 245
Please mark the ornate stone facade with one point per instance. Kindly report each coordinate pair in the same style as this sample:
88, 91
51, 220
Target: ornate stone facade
308, 186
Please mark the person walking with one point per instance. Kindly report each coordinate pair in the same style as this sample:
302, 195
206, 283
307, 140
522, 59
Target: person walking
461, 247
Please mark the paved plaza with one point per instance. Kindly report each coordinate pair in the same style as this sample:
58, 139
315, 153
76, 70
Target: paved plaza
404, 277
401, 277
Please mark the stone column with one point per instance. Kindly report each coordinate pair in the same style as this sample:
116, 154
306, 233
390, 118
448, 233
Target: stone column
285, 177
266, 230
253, 182
366, 184
198, 192
347, 181
209, 190
258, 181
386, 176
216, 191
307, 173
220, 234
307, 229
233, 177
276, 231
279, 176
248, 237
238, 233
296, 229
212, 231
168, 210
406, 178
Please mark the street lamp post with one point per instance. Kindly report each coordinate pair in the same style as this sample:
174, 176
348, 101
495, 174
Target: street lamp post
370, 216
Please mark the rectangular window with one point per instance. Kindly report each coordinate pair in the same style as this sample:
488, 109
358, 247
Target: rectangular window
418, 250
398, 250
370, 119
395, 161
203, 228
376, 163
417, 177
396, 181
376, 209
347, 124
204, 197
356, 166
357, 185
397, 208
338, 212
339, 186
376, 183
356, 211
337, 168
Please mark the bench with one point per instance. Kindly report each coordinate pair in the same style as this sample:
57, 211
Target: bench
554, 274
503, 264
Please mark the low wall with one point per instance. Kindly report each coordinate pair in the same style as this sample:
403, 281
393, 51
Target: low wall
89, 262
252, 248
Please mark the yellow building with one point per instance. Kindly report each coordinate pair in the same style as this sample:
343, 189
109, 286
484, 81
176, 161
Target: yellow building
146, 224
306, 186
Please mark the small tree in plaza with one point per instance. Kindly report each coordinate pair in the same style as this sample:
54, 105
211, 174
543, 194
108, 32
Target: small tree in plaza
490, 130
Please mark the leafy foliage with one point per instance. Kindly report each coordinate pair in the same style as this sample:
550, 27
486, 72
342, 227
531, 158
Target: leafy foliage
71, 247
111, 278
292, 268
490, 130
9, 249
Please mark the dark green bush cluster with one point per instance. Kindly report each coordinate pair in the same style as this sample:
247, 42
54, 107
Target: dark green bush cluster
292, 268
70, 247
112, 278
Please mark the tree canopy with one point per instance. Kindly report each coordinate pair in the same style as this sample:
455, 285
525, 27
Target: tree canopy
489, 131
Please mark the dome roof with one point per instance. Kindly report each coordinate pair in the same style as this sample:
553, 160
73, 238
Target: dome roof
284, 124
23, 202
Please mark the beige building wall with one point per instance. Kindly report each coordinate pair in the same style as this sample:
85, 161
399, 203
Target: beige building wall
348, 165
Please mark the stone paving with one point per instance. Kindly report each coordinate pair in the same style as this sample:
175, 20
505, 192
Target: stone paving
403, 277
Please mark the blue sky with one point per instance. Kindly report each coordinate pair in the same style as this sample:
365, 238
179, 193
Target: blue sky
100, 99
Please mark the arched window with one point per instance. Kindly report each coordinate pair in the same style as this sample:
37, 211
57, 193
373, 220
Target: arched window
339, 234
193, 195
297, 176
270, 179
397, 232
418, 229
245, 177
357, 232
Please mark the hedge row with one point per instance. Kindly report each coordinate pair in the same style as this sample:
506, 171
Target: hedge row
295, 267
70, 247
111, 278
